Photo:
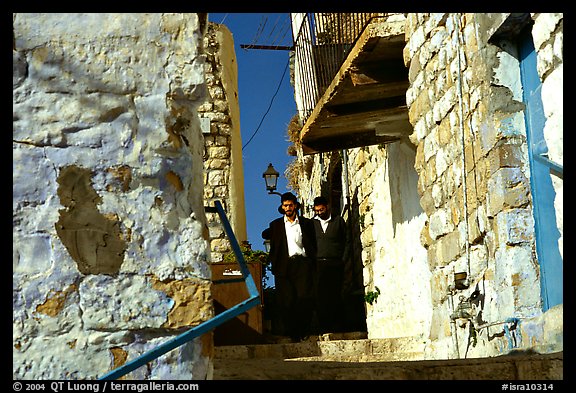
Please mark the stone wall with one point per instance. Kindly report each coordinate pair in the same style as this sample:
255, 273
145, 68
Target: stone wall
220, 116
455, 197
110, 240
474, 178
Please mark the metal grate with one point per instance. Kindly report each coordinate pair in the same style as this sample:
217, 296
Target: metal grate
321, 46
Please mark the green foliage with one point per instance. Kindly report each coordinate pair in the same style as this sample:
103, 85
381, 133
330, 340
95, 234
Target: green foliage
371, 296
251, 256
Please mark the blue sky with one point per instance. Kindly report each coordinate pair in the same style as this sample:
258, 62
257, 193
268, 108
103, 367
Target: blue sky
259, 75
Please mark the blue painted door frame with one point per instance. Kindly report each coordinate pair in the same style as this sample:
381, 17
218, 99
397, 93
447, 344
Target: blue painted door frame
543, 194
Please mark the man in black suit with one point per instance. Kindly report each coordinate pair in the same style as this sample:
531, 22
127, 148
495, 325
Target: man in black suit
333, 252
292, 256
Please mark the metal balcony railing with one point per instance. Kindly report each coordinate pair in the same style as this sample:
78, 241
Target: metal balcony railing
252, 301
321, 45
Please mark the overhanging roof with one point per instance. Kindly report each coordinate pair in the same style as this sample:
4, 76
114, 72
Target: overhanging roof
365, 104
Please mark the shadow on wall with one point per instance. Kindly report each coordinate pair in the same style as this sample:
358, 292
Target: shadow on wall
355, 307
403, 180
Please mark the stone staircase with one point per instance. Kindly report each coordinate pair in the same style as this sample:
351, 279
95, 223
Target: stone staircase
352, 356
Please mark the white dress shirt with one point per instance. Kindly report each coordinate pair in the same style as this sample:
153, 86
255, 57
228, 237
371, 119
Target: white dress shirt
294, 237
324, 223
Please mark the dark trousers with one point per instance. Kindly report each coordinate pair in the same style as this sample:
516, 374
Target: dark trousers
295, 291
329, 302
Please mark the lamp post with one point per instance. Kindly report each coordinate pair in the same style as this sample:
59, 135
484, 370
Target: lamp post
271, 178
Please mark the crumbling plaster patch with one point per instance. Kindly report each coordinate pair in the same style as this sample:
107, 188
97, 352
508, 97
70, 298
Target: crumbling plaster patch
93, 240
192, 301
55, 301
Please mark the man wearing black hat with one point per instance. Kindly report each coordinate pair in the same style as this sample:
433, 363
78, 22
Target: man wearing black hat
292, 256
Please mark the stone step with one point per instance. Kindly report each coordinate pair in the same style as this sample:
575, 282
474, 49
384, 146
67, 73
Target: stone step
531, 367
347, 358
361, 358
329, 346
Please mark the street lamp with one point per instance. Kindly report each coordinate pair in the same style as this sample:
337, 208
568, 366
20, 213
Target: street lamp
271, 178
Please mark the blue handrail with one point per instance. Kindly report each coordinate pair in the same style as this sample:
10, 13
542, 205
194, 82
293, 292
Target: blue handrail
555, 169
252, 301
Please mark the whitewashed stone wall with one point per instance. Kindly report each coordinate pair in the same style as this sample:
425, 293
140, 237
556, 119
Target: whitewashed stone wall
464, 103
478, 220
110, 241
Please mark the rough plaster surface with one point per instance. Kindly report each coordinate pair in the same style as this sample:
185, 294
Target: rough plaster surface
107, 197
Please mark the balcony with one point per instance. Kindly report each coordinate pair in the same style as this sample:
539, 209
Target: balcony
350, 80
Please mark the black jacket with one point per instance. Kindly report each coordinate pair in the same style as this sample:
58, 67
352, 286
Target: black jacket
279, 245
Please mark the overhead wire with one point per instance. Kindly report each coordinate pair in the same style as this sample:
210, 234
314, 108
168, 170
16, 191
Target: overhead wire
269, 106
281, 34
273, 28
223, 19
254, 42
260, 30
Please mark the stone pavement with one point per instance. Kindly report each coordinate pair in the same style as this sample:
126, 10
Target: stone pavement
330, 357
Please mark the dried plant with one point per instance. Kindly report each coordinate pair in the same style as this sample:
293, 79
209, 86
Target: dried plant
294, 170
292, 150
293, 129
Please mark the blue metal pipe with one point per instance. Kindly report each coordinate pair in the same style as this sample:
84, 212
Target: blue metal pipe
252, 301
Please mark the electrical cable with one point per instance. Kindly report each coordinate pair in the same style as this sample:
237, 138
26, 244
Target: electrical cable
223, 19
273, 28
260, 30
281, 35
269, 106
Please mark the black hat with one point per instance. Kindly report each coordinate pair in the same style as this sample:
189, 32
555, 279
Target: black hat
288, 196
320, 200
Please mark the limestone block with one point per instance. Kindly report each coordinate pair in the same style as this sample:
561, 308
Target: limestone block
508, 188
544, 25
431, 144
217, 164
217, 117
221, 105
440, 224
425, 54
217, 177
449, 248
443, 160
419, 108
224, 129
442, 106
220, 245
220, 152
474, 232
415, 41
438, 38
